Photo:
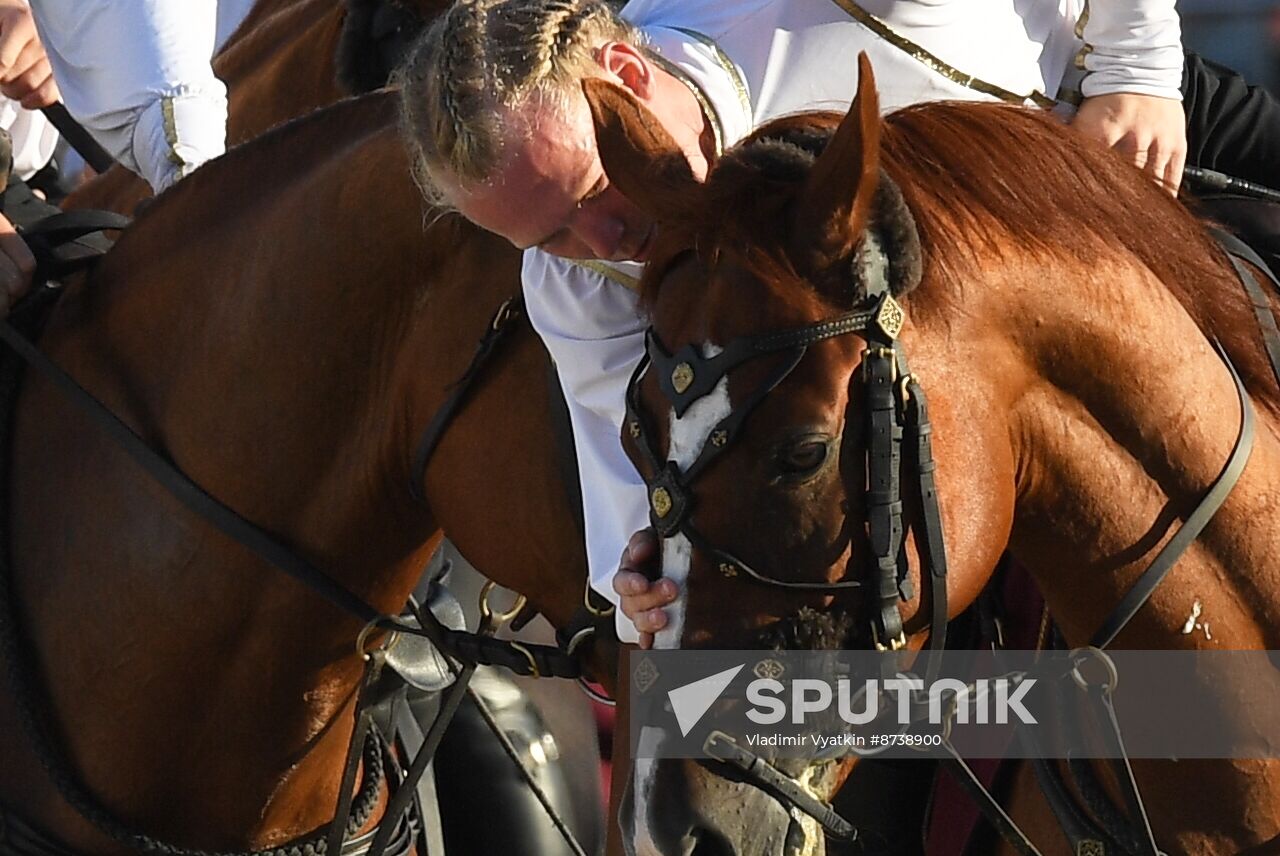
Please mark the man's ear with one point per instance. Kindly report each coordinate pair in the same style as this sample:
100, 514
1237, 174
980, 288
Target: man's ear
627, 65
639, 156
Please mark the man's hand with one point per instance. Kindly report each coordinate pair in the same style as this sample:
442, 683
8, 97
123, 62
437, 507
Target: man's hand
1149, 130
16, 266
642, 600
25, 75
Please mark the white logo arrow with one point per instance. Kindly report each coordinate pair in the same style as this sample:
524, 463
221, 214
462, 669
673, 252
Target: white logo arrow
693, 700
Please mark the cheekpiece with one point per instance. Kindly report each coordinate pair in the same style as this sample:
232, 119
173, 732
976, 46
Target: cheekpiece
668, 501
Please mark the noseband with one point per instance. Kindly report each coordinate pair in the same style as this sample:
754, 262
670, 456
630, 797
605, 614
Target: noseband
894, 408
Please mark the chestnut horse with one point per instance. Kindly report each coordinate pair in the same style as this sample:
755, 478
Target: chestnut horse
1060, 327
282, 325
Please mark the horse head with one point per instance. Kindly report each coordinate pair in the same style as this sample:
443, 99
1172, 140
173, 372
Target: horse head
777, 293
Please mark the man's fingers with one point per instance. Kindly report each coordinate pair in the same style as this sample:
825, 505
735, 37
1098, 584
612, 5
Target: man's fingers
646, 641
634, 605
16, 249
650, 621
44, 95
29, 57
1173, 172
642, 547
29, 81
629, 583
17, 29
19, 265
1136, 149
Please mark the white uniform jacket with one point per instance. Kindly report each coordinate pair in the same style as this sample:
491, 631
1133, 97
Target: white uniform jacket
136, 73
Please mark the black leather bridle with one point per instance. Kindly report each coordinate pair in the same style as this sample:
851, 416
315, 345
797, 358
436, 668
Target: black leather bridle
894, 410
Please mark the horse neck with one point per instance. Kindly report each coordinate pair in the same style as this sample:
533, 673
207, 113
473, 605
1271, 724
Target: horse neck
280, 64
1121, 416
273, 342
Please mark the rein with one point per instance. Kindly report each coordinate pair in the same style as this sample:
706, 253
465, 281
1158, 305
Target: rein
402, 817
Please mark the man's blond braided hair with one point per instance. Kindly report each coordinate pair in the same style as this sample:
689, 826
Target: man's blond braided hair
484, 57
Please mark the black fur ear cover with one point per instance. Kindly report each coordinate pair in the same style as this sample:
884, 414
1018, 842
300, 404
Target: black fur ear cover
899, 239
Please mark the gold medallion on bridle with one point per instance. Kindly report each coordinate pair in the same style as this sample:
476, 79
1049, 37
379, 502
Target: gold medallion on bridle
661, 501
890, 317
682, 377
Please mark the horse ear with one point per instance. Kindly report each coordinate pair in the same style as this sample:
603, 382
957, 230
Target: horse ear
638, 154
835, 204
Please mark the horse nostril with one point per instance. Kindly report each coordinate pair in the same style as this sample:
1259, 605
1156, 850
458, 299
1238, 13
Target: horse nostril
796, 839
708, 842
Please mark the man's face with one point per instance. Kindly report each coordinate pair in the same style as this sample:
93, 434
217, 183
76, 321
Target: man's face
551, 191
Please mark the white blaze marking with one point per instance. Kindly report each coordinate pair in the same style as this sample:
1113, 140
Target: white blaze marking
687, 436
646, 774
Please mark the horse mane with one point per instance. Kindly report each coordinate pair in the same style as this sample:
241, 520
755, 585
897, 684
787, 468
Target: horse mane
375, 37
981, 173
982, 180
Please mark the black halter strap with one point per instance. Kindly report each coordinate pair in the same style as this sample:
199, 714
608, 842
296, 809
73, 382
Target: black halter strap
895, 410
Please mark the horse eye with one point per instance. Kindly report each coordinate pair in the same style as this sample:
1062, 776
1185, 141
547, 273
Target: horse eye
803, 457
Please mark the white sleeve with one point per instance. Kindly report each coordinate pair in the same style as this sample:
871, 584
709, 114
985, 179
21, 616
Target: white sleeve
34, 138
1133, 46
594, 331
136, 73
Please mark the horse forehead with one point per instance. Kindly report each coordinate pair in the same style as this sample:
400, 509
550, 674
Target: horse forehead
689, 433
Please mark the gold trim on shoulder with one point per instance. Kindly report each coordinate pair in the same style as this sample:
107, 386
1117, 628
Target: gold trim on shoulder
608, 272
170, 129
722, 59
884, 31
708, 108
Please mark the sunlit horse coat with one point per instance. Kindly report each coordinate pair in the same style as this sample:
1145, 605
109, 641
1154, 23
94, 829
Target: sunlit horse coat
759, 60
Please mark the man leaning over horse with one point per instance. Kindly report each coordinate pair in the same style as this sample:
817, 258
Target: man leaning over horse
493, 105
